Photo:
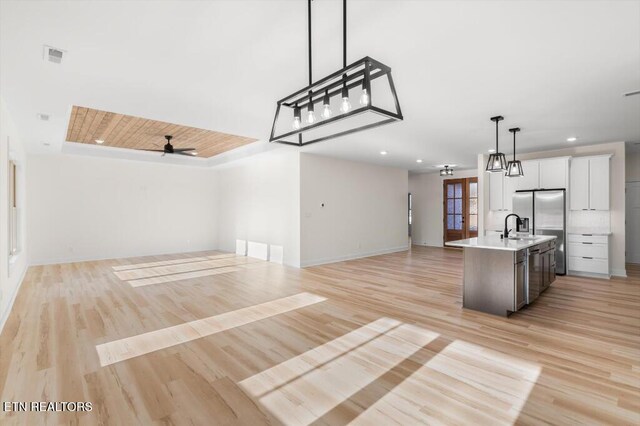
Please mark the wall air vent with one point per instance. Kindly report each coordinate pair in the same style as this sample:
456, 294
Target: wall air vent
53, 54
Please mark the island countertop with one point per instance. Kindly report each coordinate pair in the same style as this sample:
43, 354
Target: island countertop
494, 242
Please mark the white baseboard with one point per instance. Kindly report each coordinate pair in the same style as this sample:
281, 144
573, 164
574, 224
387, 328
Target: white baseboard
588, 275
315, 262
425, 244
12, 299
619, 273
75, 259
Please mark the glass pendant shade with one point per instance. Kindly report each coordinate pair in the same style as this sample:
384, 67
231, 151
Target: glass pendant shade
497, 161
514, 168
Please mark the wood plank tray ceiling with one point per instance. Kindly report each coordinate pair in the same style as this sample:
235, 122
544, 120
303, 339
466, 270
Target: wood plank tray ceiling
86, 125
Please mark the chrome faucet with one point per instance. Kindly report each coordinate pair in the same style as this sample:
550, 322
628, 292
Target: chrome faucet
505, 234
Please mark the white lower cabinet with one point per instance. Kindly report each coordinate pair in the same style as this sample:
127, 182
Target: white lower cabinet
588, 254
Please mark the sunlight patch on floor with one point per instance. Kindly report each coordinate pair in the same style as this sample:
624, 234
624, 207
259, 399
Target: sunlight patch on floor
256, 264
463, 384
172, 261
304, 388
135, 274
130, 347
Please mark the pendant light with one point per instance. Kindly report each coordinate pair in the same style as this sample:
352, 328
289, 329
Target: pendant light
367, 80
446, 171
497, 161
514, 168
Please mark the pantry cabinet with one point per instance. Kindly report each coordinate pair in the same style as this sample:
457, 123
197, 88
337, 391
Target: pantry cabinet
589, 179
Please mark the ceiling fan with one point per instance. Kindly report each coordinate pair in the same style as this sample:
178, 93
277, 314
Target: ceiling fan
169, 149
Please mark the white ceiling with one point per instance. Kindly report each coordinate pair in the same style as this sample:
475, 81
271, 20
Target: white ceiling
554, 68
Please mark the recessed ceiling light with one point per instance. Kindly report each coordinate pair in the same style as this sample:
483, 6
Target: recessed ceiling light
418, 160
42, 116
99, 141
383, 152
491, 150
572, 139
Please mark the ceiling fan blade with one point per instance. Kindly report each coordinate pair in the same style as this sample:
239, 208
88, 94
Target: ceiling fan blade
183, 149
152, 150
188, 154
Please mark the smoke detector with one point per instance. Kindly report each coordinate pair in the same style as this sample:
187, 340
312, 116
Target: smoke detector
42, 116
52, 54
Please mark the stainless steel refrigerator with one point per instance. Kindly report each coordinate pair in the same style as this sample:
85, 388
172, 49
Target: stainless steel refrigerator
546, 210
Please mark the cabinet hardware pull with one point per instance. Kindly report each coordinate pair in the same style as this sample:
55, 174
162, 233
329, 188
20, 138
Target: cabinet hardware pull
584, 257
586, 243
587, 235
585, 209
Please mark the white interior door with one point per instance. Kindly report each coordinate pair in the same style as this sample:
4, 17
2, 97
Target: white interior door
632, 237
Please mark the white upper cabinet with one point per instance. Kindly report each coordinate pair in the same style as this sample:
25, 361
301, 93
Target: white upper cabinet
553, 173
530, 178
501, 189
510, 186
496, 194
579, 177
590, 183
599, 183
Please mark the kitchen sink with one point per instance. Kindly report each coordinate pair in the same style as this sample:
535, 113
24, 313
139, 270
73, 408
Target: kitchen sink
523, 238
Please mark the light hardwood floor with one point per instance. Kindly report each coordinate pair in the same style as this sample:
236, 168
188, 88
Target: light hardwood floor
210, 339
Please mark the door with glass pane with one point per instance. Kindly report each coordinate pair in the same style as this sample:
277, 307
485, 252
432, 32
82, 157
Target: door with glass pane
460, 209
472, 208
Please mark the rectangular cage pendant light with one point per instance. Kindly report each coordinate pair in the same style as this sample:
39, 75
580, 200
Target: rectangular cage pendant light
358, 97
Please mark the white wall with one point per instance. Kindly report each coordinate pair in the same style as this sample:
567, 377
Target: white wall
84, 208
259, 200
427, 208
11, 273
364, 213
617, 212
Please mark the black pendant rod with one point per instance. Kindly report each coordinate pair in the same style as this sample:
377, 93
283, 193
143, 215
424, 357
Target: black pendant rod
344, 33
497, 119
514, 131
310, 61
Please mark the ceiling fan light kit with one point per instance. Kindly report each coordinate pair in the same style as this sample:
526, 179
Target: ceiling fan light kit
332, 94
497, 161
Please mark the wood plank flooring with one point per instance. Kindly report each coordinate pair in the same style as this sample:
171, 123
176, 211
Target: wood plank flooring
385, 341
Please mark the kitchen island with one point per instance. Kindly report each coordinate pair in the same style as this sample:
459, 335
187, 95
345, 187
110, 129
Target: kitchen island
503, 275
